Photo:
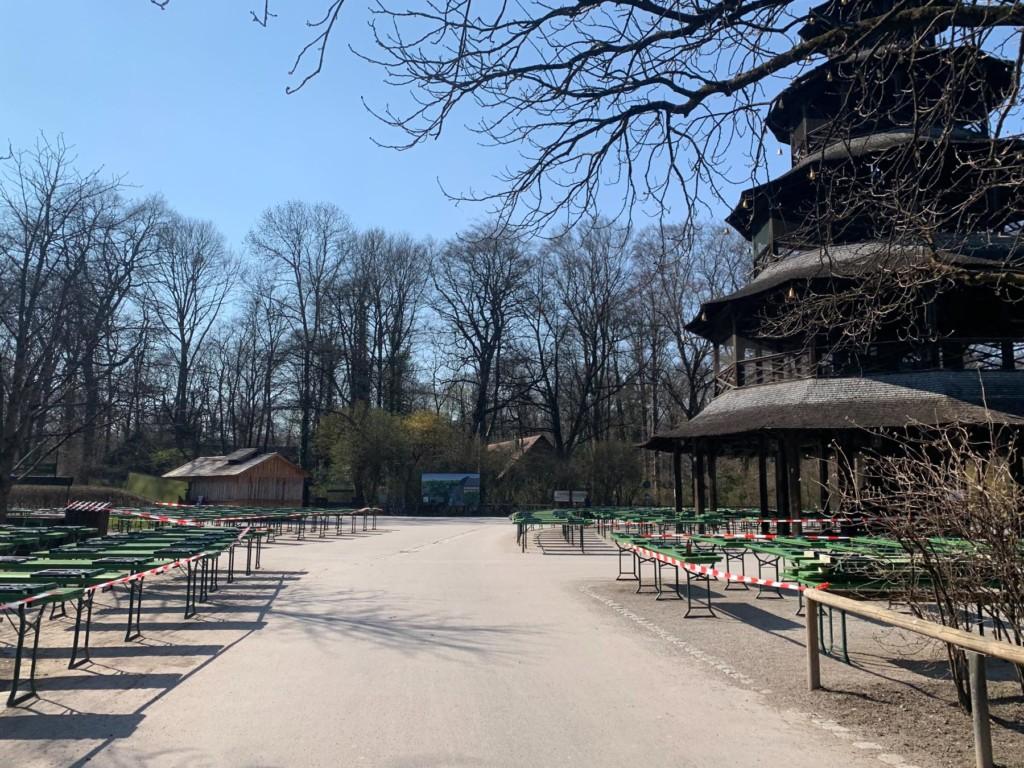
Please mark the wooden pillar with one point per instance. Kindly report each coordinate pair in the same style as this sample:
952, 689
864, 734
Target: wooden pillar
713, 476
701, 493
979, 710
737, 358
762, 475
677, 474
793, 475
811, 642
781, 486
762, 481
823, 455
789, 452
1008, 362
843, 458
846, 479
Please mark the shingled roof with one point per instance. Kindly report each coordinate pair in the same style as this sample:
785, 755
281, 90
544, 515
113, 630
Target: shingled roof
849, 261
223, 466
871, 402
518, 448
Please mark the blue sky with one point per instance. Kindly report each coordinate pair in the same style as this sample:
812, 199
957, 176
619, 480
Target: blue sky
190, 102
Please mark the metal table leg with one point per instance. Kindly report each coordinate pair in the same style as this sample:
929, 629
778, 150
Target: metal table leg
25, 626
83, 604
701, 605
134, 610
191, 574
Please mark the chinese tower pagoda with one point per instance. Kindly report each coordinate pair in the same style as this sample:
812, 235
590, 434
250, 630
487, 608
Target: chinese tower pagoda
882, 293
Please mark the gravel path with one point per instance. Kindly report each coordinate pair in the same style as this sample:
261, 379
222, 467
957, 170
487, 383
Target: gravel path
433, 643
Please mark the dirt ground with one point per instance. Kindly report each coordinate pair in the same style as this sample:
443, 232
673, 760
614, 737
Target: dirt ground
895, 691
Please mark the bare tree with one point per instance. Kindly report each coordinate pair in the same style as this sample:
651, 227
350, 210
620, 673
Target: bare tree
477, 282
386, 286
681, 268
120, 248
578, 296
305, 246
191, 278
50, 219
953, 498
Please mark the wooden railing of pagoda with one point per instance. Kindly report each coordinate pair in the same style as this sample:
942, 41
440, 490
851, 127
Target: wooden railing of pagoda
943, 354
768, 369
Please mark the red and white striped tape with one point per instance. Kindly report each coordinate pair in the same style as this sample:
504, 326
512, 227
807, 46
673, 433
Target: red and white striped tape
87, 506
802, 519
123, 580
159, 518
113, 582
707, 570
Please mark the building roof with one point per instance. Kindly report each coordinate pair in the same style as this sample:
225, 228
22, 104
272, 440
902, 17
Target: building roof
518, 448
990, 75
777, 197
885, 400
979, 252
233, 464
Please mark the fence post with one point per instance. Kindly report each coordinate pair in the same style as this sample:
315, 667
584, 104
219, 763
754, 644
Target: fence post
811, 638
979, 709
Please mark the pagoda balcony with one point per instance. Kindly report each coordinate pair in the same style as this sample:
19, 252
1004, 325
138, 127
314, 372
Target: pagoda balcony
949, 354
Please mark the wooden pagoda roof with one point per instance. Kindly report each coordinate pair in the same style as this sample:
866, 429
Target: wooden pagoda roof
927, 398
973, 251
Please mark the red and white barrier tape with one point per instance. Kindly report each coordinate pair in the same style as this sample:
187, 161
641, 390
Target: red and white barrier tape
87, 506
707, 570
113, 582
805, 520
123, 580
156, 517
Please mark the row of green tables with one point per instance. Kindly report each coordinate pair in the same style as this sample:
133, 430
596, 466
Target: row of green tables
73, 571
296, 519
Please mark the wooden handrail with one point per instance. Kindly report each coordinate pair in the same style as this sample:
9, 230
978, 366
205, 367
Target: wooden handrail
977, 649
958, 637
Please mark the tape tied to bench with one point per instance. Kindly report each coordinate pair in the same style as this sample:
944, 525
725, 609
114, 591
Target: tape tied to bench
113, 582
707, 570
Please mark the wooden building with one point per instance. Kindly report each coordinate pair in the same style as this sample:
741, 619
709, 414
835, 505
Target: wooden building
533, 450
245, 478
861, 124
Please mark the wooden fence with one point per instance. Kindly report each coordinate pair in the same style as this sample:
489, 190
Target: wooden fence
977, 649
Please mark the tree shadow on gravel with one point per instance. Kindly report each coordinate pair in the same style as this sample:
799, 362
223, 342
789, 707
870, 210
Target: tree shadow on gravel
57, 714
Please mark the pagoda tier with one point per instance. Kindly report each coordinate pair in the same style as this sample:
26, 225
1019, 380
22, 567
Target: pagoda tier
872, 188
843, 15
843, 98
